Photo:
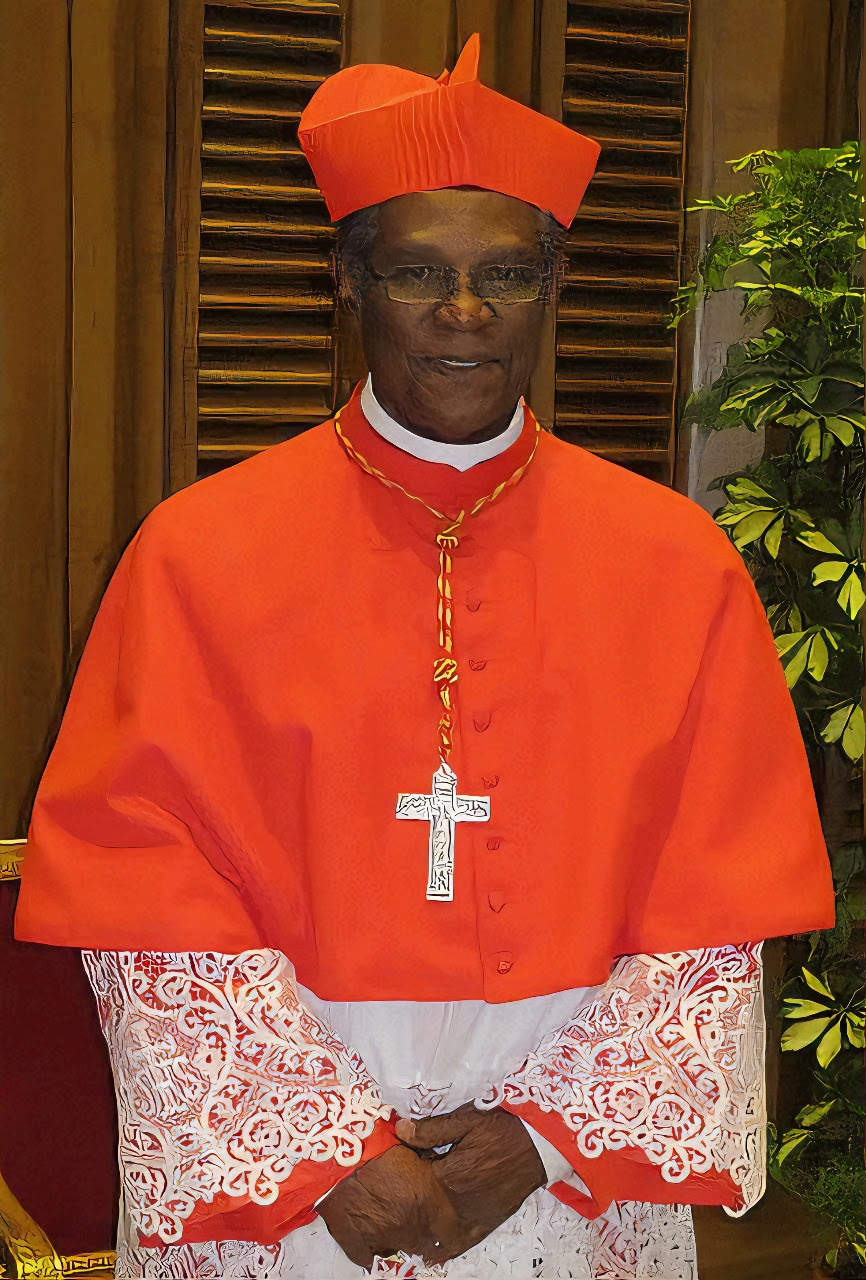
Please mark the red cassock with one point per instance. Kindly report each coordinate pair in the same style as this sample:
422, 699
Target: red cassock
257, 690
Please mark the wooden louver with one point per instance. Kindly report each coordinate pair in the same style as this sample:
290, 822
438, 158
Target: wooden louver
625, 85
267, 308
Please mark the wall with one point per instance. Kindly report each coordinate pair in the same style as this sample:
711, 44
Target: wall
763, 73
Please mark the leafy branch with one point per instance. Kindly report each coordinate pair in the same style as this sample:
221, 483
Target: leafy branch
792, 248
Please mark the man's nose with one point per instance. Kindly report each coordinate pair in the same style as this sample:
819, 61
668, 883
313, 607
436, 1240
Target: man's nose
465, 310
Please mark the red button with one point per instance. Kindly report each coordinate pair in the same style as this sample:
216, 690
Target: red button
477, 664
496, 902
481, 721
491, 781
503, 966
494, 843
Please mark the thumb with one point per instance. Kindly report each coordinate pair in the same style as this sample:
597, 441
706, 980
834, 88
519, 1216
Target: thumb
435, 1131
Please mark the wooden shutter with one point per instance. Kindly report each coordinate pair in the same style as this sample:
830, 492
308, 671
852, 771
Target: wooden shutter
625, 85
266, 307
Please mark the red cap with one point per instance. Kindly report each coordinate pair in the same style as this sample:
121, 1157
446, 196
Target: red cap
373, 131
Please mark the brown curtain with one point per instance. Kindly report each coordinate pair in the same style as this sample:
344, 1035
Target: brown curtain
83, 133
844, 54
87, 298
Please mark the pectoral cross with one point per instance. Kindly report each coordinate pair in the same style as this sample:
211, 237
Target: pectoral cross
442, 808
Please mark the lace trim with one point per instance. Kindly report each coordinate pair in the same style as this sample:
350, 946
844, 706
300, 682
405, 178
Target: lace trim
224, 1080
544, 1240
669, 1060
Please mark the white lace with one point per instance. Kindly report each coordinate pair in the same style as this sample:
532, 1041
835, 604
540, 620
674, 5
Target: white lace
668, 1060
224, 1081
544, 1240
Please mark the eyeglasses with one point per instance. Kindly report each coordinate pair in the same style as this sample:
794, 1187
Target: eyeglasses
495, 283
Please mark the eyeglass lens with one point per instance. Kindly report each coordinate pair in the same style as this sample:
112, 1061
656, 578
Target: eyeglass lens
517, 282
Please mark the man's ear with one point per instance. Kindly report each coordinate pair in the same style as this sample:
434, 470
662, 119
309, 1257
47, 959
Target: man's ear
346, 290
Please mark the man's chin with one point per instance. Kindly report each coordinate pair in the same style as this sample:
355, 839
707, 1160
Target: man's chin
462, 423
454, 409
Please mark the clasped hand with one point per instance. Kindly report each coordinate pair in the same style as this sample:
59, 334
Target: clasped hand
413, 1201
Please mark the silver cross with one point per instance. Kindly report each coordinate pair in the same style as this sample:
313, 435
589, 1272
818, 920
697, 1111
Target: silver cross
442, 808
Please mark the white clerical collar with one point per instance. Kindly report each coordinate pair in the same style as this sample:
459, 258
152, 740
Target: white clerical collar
459, 456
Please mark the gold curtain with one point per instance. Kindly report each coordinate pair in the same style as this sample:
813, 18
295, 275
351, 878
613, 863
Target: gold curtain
85, 309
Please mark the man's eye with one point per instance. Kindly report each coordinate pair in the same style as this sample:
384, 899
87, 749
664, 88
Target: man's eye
509, 275
421, 274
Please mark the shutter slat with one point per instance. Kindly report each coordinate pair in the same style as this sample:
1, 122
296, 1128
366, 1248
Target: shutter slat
625, 85
642, 39
220, 187
293, 8
267, 295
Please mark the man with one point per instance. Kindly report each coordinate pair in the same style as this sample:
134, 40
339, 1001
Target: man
428, 786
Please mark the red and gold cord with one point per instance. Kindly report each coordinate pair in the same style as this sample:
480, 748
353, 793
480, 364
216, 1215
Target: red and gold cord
445, 665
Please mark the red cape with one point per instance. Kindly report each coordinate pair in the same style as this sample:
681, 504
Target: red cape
257, 690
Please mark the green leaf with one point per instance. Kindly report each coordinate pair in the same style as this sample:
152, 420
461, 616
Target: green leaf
804, 1033
809, 388
830, 1045
851, 596
790, 1141
828, 571
770, 410
854, 737
797, 649
816, 983
811, 1114
802, 1008
855, 1035
809, 443
773, 538
819, 656
752, 526
832, 730
844, 371
743, 487
841, 428
818, 541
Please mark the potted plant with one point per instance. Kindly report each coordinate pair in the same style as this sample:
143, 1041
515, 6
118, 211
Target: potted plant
793, 247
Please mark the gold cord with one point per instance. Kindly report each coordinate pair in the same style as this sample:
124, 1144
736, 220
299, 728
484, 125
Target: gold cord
445, 665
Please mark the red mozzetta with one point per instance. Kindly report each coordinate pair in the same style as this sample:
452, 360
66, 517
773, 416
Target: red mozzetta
257, 689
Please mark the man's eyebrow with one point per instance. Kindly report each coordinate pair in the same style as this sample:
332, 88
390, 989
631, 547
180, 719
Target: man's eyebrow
421, 250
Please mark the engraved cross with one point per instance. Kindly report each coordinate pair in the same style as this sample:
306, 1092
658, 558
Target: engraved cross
442, 808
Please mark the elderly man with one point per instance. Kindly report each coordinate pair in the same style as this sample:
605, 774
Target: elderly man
428, 785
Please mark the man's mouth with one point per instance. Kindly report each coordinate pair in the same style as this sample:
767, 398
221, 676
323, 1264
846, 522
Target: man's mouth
451, 362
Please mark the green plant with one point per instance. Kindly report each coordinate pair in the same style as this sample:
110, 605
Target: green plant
793, 246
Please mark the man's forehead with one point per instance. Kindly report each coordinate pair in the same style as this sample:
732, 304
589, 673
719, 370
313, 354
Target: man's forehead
470, 218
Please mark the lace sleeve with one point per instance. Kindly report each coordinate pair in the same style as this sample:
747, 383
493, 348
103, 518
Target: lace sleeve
237, 1108
655, 1091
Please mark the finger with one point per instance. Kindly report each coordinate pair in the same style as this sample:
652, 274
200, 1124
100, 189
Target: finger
435, 1131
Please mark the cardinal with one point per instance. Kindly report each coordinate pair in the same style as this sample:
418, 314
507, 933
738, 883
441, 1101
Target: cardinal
429, 785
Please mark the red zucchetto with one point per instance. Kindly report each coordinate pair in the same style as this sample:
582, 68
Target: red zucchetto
374, 131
